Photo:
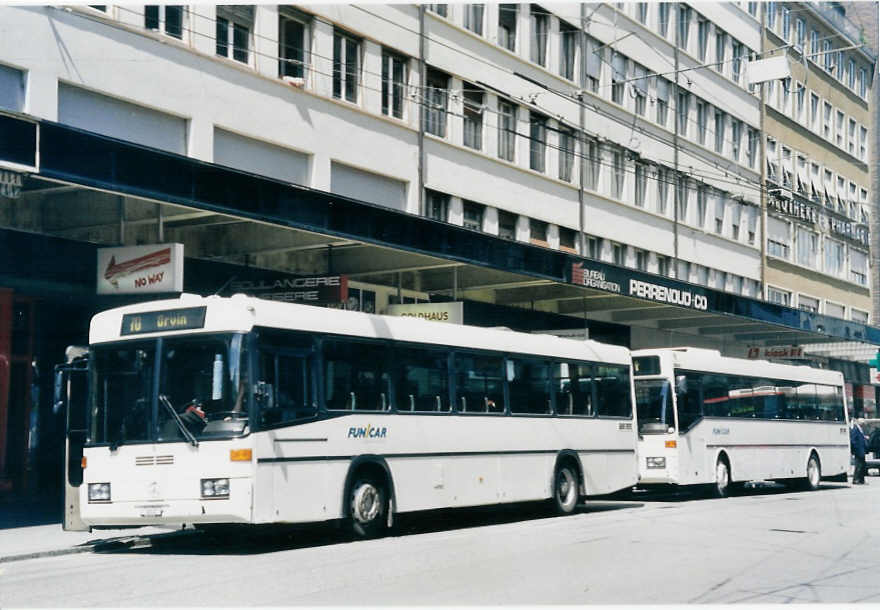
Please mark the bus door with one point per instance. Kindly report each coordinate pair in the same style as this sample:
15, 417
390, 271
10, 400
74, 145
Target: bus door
658, 438
71, 397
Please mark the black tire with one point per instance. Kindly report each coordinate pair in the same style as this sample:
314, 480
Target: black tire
368, 508
721, 487
814, 474
565, 489
737, 488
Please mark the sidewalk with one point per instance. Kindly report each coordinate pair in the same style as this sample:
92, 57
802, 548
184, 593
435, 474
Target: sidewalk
31, 528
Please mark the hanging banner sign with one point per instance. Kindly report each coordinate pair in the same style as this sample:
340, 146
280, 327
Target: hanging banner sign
310, 290
140, 269
438, 312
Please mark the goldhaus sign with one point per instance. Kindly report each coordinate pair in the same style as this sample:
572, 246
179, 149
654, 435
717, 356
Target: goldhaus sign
436, 312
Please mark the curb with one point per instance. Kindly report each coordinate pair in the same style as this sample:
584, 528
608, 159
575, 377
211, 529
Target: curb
103, 545
53, 553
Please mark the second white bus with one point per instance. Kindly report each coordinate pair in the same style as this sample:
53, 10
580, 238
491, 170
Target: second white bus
241, 410
705, 419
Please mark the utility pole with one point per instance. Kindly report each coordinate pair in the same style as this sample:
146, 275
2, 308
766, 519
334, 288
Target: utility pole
763, 161
582, 241
423, 74
678, 177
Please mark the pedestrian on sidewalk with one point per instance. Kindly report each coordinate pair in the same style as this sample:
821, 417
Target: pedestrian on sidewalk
858, 446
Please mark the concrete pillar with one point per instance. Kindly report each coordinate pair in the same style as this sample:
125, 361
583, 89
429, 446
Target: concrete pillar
200, 138
322, 58
371, 91
454, 121
42, 94
266, 37
455, 214
203, 23
490, 220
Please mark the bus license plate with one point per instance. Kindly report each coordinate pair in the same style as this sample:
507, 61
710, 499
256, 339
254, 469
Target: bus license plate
152, 511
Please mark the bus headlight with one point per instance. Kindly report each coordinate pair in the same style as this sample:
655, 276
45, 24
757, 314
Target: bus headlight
215, 488
656, 462
99, 492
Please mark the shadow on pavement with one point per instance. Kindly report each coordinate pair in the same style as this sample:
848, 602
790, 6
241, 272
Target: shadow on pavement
27, 512
696, 492
249, 540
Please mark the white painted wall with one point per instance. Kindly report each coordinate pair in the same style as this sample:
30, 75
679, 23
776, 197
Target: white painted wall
116, 57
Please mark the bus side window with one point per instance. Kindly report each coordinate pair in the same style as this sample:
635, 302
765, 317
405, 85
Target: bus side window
688, 392
573, 387
613, 390
421, 379
528, 389
806, 401
478, 383
356, 376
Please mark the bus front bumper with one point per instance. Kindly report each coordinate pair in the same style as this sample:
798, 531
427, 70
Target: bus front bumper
235, 508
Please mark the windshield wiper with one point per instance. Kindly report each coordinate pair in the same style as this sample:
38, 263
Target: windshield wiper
189, 435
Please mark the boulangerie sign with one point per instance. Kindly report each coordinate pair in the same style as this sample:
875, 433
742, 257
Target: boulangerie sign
140, 269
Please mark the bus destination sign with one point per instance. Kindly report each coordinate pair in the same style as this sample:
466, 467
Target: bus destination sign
158, 321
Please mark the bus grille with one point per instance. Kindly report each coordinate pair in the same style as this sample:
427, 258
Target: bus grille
149, 460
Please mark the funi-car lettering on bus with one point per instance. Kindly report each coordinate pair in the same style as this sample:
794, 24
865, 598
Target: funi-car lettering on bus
367, 432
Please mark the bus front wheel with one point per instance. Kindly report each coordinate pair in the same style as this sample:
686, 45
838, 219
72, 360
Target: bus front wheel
368, 506
565, 489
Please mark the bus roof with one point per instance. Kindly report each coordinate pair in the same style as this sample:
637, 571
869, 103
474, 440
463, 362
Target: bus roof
241, 313
711, 361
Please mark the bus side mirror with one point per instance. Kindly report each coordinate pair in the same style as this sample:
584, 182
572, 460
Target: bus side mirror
57, 392
681, 386
264, 394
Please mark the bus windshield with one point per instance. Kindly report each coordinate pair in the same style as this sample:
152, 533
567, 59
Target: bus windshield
169, 389
654, 406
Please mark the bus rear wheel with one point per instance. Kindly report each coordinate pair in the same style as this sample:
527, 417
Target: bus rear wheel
721, 488
368, 508
565, 489
814, 474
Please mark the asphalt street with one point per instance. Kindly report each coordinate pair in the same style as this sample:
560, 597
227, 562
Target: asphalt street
765, 546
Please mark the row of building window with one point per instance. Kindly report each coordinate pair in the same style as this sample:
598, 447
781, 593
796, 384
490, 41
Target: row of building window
693, 33
809, 110
631, 84
819, 47
811, 249
476, 216
294, 44
795, 172
815, 305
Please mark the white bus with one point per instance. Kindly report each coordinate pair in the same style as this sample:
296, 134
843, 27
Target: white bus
705, 419
241, 410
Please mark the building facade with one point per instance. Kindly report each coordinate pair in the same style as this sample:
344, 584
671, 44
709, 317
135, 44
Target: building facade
817, 149
624, 133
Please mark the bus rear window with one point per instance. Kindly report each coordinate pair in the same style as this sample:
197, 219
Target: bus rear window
646, 365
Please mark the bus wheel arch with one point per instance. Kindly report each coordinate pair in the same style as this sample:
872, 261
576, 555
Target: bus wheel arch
368, 499
568, 483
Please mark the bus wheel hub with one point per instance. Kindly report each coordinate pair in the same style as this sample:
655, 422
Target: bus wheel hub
365, 503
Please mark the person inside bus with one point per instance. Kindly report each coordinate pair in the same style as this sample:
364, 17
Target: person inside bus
858, 445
